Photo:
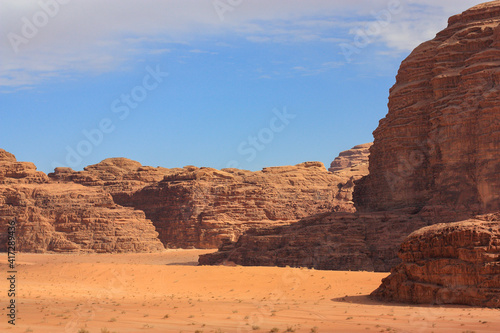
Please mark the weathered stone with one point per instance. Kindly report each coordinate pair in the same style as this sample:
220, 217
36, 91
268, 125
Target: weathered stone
439, 144
448, 263
67, 217
203, 207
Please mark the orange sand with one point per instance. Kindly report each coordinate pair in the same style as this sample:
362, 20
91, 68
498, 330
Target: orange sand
165, 292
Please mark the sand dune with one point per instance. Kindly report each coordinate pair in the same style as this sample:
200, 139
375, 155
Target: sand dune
164, 292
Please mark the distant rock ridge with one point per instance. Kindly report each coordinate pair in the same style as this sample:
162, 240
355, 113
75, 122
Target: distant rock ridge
352, 158
190, 207
203, 207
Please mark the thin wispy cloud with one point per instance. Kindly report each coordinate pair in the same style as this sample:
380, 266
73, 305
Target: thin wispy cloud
101, 36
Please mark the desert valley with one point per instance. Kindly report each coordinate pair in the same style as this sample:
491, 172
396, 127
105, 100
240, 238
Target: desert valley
398, 235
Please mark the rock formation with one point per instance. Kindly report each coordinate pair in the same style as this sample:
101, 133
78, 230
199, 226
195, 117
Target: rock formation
67, 217
190, 206
435, 158
438, 147
330, 241
119, 176
203, 207
448, 263
352, 160
14, 172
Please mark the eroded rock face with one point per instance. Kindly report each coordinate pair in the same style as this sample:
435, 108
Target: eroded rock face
67, 217
14, 172
438, 147
119, 176
435, 159
352, 160
330, 241
453, 263
203, 207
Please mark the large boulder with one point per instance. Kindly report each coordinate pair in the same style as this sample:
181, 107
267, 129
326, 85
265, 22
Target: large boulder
448, 263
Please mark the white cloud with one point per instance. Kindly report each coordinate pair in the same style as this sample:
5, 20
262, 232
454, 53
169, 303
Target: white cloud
98, 36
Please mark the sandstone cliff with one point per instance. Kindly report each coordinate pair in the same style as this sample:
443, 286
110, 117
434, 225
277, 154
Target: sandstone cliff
330, 241
453, 263
438, 147
202, 207
67, 217
435, 159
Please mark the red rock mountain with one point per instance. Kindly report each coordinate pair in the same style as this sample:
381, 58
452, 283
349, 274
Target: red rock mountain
438, 147
203, 207
435, 158
189, 207
67, 217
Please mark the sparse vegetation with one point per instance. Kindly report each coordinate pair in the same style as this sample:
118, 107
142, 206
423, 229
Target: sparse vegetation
255, 327
274, 330
314, 330
166, 316
83, 330
111, 320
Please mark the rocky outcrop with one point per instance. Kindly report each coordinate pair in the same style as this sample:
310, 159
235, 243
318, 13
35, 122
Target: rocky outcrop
119, 176
453, 263
14, 172
435, 159
331, 241
190, 206
203, 207
67, 217
438, 146
352, 160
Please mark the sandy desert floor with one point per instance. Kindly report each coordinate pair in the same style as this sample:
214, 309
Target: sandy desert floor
166, 292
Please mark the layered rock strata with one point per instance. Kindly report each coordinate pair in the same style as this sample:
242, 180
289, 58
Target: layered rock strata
453, 263
331, 241
435, 158
352, 160
439, 144
67, 217
203, 207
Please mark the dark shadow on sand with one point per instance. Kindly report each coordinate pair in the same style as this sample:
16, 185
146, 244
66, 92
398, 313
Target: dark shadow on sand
367, 300
185, 263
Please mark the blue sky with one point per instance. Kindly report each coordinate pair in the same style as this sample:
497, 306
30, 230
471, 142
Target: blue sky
224, 83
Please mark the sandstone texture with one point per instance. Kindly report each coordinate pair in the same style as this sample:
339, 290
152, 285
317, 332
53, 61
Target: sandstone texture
448, 263
330, 241
189, 207
67, 217
352, 160
119, 176
435, 159
438, 147
204, 207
